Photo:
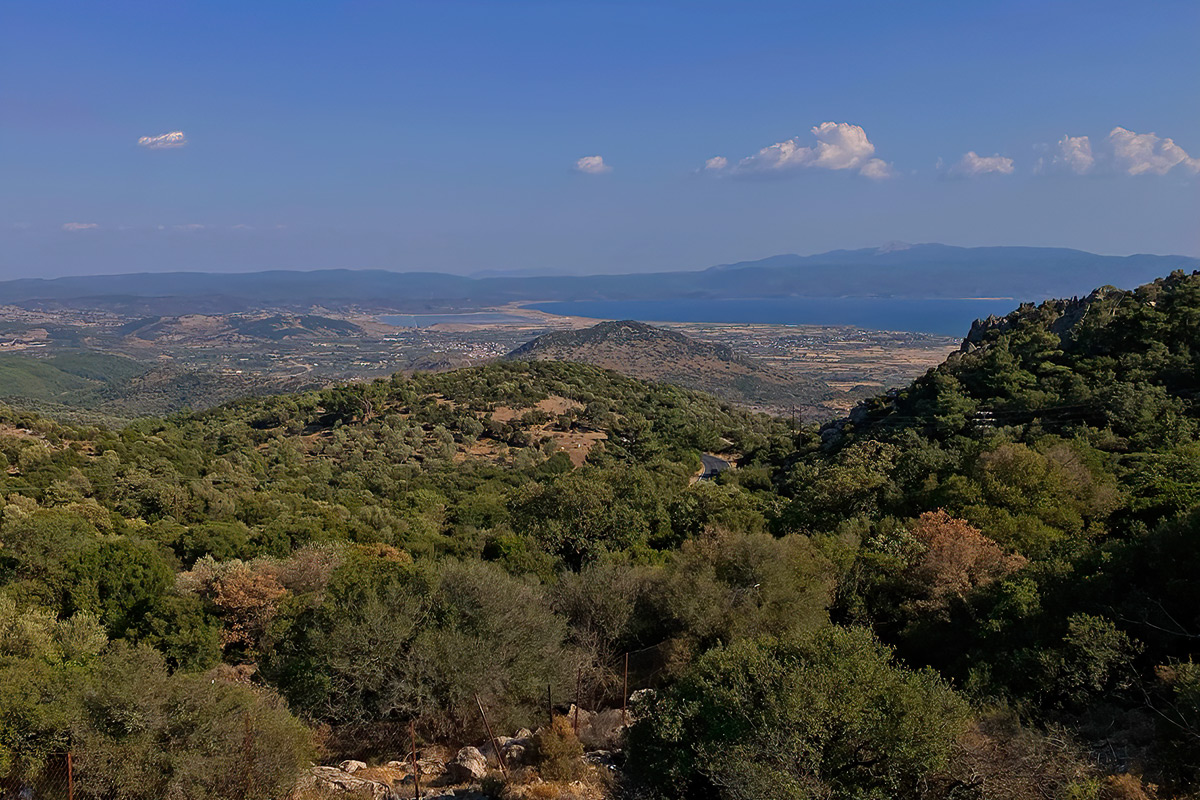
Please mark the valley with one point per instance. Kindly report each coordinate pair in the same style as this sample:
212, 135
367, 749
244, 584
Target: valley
225, 356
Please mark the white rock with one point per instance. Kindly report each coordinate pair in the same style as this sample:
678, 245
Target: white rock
468, 765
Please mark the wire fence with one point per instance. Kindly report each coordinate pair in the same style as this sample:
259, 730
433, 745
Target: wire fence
238, 758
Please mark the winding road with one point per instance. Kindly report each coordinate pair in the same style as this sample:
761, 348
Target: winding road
712, 465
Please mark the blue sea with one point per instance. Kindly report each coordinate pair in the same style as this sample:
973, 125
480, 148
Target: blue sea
949, 317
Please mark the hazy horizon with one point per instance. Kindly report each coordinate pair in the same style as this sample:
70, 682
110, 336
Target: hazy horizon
534, 273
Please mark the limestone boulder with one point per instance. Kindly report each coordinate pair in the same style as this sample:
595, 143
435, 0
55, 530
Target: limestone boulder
469, 765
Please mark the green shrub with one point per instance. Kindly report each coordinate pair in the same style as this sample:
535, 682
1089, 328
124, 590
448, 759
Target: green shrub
828, 715
144, 734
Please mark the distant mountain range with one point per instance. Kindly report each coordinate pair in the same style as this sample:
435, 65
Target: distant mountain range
894, 270
651, 353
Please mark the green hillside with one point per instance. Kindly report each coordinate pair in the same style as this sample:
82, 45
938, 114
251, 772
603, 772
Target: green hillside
60, 376
986, 585
21, 376
86, 384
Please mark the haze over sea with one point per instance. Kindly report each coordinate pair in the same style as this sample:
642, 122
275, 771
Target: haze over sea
949, 317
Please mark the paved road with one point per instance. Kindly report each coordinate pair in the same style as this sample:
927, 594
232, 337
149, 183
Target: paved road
712, 465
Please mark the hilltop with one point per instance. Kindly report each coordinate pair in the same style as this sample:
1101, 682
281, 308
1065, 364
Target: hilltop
651, 353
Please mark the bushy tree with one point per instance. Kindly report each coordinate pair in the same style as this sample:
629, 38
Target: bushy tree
827, 715
144, 734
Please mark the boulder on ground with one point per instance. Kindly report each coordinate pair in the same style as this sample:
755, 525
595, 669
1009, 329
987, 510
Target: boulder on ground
430, 767
468, 766
489, 752
578, 717
351, 766
604, 730
514, 755
326, 781
512, 747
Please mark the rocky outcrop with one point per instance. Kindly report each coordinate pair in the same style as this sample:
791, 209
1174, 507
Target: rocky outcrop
326, 781
443, 776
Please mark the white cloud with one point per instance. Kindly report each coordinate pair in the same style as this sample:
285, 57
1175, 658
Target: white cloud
973, 165
877, 169
191, 226
1071, 154
839, 145
164, 141
1141, 153
79, 226
716, 162
592, 165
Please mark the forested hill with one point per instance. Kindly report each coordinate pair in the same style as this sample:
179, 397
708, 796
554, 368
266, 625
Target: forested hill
1128, 361
986, 586
651, 353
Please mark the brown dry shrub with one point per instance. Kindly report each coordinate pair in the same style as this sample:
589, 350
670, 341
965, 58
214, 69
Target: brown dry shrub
539, 791
309, 568
248, 601
542, 791
957, 559
998, 758
1127, 787
556, 751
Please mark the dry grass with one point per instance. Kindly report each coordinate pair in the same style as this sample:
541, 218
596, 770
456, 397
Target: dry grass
553, 405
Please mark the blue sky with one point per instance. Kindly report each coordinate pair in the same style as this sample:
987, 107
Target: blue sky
448, 135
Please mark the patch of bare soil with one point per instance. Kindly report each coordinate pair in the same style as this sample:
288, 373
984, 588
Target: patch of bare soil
577, 444
553, 404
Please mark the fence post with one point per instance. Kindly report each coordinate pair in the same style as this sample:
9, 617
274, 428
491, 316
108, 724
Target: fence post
412, 732
70, 777
625, 694
578, 678
549, 706
495, 745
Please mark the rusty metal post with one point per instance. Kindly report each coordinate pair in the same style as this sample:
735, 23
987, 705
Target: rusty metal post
495, 745
70, 777
412, 732
578, 677
625, 694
